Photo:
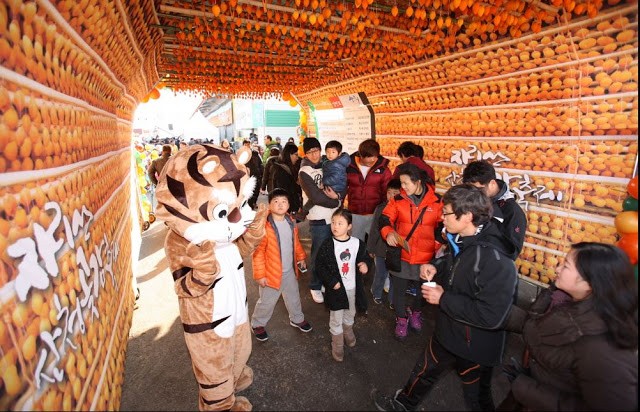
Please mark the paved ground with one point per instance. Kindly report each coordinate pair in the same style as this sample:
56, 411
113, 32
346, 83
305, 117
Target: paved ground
294, 371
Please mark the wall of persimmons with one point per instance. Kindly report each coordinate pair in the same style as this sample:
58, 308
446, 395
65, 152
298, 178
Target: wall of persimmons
72, 74
555, 112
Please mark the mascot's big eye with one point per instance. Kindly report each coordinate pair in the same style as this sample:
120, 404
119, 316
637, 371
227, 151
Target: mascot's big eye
220, 211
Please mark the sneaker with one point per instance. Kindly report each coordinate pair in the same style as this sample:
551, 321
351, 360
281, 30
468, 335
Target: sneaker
261, 333
303, 326
415, 321
386, 403
377, 301
317, 296
402, 328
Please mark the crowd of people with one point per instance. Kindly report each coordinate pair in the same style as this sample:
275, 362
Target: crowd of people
454, 251
457, 252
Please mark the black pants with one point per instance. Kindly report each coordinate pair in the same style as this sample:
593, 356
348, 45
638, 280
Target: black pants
253, 200
435, 360
400, 298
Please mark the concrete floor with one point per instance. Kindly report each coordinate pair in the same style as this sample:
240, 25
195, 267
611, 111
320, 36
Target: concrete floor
293, 371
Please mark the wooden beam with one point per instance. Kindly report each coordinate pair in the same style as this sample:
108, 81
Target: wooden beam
210, 15
332, 18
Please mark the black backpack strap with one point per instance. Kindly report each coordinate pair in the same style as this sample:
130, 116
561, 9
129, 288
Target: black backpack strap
415, 225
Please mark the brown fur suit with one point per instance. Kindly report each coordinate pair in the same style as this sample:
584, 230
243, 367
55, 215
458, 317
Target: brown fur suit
202, 196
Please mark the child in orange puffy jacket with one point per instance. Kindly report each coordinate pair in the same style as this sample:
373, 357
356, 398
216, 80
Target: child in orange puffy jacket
277, 263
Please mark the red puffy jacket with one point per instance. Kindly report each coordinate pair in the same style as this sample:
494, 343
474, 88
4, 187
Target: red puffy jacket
402, 213
365, 193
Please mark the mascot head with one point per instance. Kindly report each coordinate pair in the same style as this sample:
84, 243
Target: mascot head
203, 192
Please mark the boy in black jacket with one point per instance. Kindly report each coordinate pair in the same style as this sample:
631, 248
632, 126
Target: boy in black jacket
512, 219
476, 280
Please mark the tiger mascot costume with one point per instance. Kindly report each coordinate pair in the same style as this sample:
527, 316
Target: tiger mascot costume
202, 196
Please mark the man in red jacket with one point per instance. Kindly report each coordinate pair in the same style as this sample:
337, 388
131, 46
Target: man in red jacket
409, 152
367, 178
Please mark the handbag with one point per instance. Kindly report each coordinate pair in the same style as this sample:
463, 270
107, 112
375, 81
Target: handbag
392, 256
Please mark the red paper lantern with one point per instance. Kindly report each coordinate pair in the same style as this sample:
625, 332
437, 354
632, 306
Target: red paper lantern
629, 244
632, 187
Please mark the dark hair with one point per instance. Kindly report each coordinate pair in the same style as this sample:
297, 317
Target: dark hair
268, 137
369, 148
278, 192
407, 149
245, 141
333, 144
166, 148
419, 151
344, 213
288, 150
274, 151
394, 184
614, 290
466, 198
414, 173
479, 171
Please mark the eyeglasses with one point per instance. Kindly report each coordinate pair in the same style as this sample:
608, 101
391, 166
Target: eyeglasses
448, 213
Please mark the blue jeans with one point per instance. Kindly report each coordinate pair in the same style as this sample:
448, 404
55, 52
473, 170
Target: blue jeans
318, 235
379, 279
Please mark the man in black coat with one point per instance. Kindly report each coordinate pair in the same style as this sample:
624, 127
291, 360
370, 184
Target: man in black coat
476, 280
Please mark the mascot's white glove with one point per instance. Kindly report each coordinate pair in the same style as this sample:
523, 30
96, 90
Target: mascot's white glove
248, 242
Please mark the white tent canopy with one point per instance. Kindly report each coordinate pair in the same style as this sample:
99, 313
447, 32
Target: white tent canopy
197, 127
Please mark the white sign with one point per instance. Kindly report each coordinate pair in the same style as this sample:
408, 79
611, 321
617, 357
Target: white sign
349, 125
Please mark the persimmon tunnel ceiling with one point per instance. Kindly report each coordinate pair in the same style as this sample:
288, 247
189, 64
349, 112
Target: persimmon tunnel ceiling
255, 48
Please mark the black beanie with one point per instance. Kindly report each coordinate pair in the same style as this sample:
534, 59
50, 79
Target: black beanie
310, 143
